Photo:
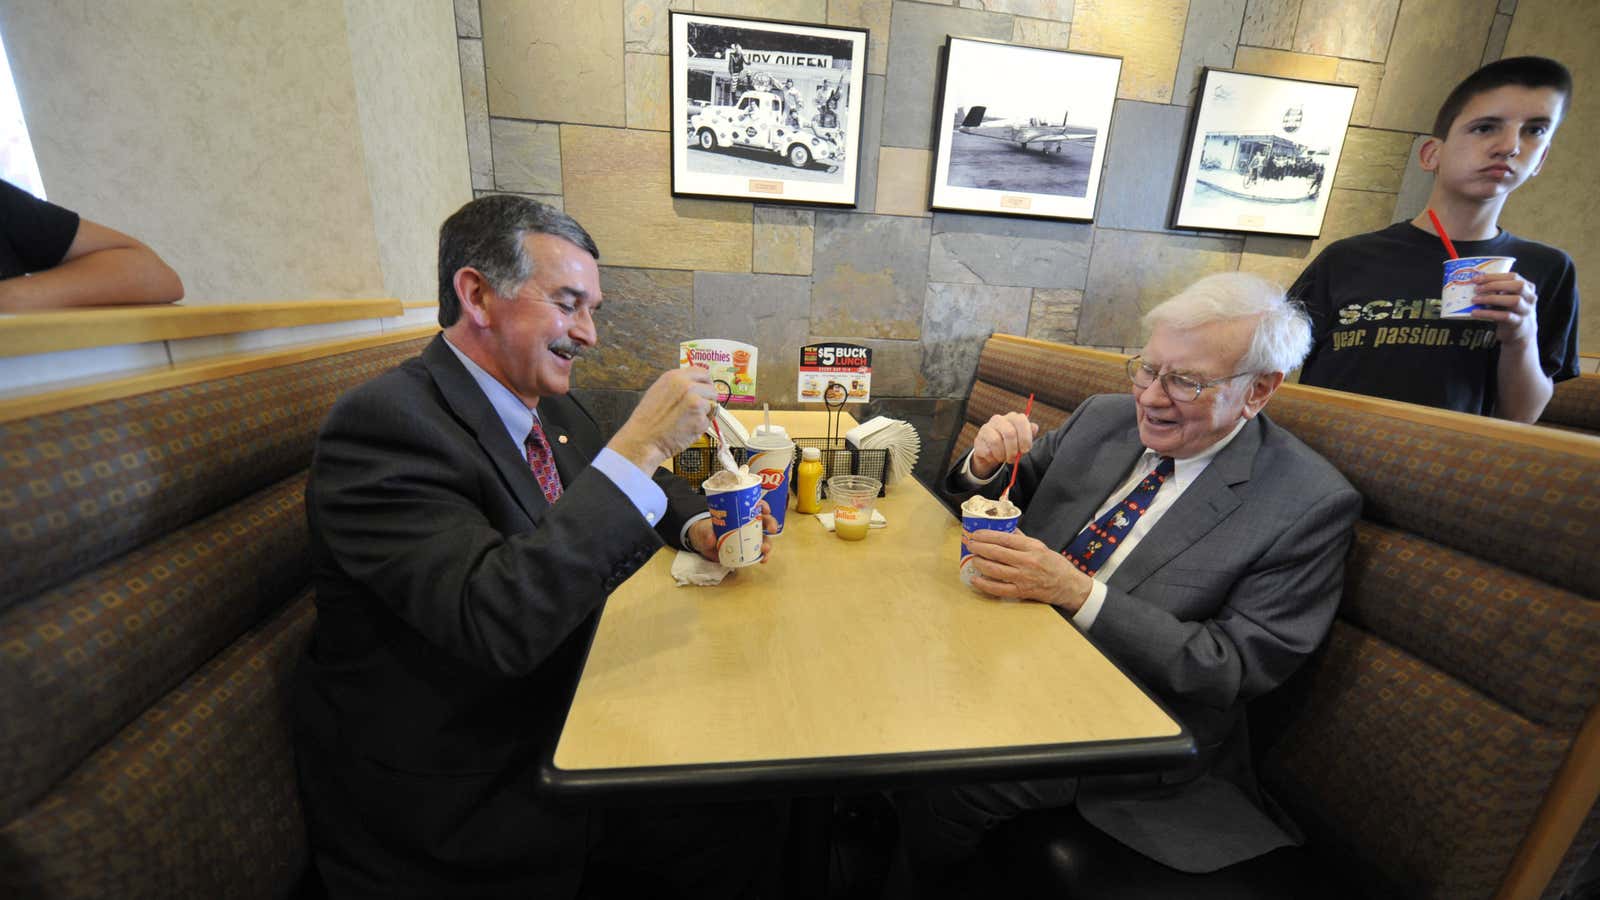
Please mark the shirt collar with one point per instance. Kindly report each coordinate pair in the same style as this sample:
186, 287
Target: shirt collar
514, 414
1186, 470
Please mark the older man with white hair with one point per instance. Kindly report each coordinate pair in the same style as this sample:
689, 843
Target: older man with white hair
1200, 545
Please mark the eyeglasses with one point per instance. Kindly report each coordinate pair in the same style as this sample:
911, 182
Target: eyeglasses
1181, 388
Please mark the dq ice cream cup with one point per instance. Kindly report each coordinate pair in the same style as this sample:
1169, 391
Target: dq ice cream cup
771, 459
734, 500
980, 514
1457, 301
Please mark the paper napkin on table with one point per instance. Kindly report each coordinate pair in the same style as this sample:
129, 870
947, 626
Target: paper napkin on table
893, 435
689, 567
878, 521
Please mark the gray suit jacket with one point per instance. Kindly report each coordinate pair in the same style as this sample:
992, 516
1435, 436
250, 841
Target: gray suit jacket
1221, 602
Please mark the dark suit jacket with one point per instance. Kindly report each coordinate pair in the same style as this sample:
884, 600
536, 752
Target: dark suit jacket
1222, 600
453, 605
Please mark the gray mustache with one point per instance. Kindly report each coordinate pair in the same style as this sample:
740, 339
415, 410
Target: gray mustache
568, 347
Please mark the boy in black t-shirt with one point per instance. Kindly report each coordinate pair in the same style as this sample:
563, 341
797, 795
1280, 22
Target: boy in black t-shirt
1374, 298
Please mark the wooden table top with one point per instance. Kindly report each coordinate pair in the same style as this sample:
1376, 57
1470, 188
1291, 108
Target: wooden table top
840, 662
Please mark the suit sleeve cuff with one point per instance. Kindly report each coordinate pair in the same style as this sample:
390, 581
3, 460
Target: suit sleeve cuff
1086, 614
683, 533
641, 491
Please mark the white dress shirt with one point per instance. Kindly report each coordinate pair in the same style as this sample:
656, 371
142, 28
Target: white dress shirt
1184, 473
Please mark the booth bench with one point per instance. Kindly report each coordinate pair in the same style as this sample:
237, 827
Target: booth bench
154, 602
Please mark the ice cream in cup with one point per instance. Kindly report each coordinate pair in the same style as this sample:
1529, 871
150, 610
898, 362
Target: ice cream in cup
734, 499
1458, 298
771, 459
979, 513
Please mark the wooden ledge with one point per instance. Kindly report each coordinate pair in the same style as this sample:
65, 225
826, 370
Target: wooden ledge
1555, 439
55, 398
23, 334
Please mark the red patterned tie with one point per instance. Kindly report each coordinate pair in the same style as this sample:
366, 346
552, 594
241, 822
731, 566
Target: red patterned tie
543, 463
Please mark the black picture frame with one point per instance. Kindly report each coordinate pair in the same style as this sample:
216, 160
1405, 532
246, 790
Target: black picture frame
1261, 154
1022, 130
766, 110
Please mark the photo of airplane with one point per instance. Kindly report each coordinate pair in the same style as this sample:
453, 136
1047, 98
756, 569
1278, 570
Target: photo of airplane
1029, 134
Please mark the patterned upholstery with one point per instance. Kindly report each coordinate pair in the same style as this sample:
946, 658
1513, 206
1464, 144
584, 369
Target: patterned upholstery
84, 485
97, 651
1417, 746
195, 799
151, 545
1576, 405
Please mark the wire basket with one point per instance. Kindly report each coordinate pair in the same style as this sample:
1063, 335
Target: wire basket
696, 464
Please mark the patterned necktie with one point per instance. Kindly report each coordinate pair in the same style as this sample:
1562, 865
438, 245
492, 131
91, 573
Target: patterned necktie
1095, 543
543, 463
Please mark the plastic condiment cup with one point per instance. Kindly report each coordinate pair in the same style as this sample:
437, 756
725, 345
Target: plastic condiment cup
1458, 299
853, 497
736, 521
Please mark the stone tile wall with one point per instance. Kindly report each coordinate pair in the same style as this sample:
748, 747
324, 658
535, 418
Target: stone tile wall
567, 101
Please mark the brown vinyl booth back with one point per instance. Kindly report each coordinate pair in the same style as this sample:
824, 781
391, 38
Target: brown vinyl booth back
154, 602
1444, 742
1575, 405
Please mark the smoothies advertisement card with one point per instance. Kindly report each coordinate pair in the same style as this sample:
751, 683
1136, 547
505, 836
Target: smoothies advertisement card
730, 362
847, 365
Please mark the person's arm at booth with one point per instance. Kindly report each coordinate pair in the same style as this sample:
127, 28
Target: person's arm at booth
102, 267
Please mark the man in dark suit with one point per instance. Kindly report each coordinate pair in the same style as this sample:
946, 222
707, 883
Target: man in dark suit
467, 523
1197, 543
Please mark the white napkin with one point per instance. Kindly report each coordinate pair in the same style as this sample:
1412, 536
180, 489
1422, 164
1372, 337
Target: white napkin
878, 521
689, 567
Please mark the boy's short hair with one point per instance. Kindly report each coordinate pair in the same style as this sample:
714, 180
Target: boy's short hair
1523, 71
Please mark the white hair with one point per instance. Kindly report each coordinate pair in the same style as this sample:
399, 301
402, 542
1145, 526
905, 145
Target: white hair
1282, 336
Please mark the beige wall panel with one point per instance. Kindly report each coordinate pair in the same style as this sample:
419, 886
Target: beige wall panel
1373, 160
645, 314
1270, 23
527, 156
475, 99
903, 182
1288, 65
649, 92
1053, 315
645, 24
558, 60
872, 15
1358, 29
1041, 32
1147, 34
1561, 206
1367, 77
783, 240
1059, 10
416, 151
223, 134
782, 10
1436, 44
1132, 271
618, 184
1281, 259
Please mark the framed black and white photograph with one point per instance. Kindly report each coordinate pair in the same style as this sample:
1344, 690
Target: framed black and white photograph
1262, 153
1022, 130
766, 111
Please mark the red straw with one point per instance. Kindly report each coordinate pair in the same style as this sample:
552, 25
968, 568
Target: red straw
1014, 462
1448, 247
